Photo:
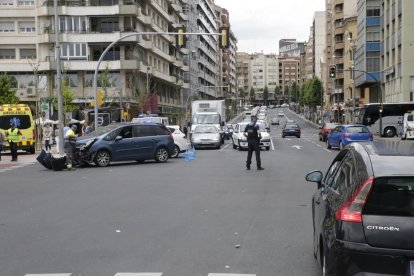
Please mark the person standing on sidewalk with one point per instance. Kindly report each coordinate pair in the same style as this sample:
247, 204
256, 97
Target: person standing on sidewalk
252, 132
47, 134
13, 138
2, 138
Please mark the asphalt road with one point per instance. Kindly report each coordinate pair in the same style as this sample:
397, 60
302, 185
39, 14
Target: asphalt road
197, 218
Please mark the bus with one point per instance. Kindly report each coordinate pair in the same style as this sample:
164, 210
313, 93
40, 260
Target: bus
392, 117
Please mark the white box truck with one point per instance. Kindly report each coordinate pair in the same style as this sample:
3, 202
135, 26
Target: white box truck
208, 112
408, 126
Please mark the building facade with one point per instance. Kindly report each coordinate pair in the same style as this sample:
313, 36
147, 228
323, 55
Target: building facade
263, 74
243, 78
138, 68
289, 73
397, 51
367, 45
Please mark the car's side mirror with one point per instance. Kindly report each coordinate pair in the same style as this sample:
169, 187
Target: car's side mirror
118, 138
314, 176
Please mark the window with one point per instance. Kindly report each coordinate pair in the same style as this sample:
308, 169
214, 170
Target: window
21, 121
72, 24
27, 53
373, 12
373, 61
73, 51
6, 2
329, 177
25, 3
7, 54
126, 132
27, 27
6, 27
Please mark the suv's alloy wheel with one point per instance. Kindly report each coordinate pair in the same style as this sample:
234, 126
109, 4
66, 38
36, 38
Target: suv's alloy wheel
102, 158
161, 155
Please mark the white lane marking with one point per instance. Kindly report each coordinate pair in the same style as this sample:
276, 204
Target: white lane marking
318, 145
297, 147
224, 147
139, 274
327, 150
273, 146
55, 274
228, 274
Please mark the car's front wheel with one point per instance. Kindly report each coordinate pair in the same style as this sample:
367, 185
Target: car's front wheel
240, 148
234, 145
267, 148
161, 155
102, 158
328, 145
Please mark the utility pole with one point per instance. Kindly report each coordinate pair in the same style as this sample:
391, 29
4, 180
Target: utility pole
59, 79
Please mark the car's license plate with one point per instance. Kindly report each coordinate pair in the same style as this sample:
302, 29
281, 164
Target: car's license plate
412, 268
205, 142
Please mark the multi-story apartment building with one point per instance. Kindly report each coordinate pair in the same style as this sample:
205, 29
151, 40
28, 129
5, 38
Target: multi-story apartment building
319, 43
203, 60
337, 13
367, 44
350, 30
243, 75
308, 59
397, 54
134, 68
289, 73
263, 72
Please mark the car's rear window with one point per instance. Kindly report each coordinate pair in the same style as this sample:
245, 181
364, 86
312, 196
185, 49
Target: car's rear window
291, 126
357, 129
391, 196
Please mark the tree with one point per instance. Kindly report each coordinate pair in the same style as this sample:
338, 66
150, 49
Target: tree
8, 86
312, 93
294, 91
105, 80
252, 95
67, 96
265, 95
286, 94
277, 93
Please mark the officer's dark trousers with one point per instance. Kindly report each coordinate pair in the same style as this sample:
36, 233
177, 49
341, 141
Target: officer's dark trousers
13, 150
253, 145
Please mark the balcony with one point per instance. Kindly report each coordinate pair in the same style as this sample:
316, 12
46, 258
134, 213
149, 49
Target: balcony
339, 45
143, 17
88, 8
161, 11
339, 30
86, 37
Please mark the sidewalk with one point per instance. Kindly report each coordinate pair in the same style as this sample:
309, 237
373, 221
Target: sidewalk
24, 159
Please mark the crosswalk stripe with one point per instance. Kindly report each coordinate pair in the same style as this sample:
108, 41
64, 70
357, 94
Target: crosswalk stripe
228, 274
53, 274
139, 274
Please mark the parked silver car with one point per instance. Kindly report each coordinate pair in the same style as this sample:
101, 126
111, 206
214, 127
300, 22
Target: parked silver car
206, 136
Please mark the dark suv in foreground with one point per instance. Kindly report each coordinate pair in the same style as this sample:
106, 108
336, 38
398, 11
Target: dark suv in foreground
124, 142
363, 211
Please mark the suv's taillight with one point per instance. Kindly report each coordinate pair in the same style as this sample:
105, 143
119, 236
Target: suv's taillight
351, 211
347, 135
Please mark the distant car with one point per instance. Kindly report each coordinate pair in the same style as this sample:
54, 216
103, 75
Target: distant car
271, 106
181, 144
133, 141
290, 121
240, 141
275, 121
205, 136
363, 211
280, 114
325, 130
285, 105
343, 135
291, 130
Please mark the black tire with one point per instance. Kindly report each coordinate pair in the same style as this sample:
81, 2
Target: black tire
140, 161
161, 155
328, 146
176, 151
389, 132
102, 158
240, 148
320, 138
32, 150
298, 136
404, 137
234, 146
283, 136
267, 148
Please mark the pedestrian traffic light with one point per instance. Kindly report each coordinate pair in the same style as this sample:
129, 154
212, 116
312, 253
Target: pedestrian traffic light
224, 37
181, 39
332, 71
100, 98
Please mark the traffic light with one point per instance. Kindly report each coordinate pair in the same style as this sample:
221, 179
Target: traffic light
181, 39
100, 98
224, 37
332, 71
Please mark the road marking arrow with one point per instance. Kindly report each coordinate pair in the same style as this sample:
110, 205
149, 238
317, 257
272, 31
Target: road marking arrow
297, 147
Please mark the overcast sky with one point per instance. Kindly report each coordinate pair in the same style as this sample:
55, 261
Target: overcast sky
259, 24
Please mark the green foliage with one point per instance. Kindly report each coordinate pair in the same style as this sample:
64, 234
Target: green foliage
252, 94
294, 92
312, 92
68, 96
8, 86
241, 92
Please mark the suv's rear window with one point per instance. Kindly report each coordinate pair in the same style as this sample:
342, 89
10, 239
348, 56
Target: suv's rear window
21, 121
357, 129
391, 197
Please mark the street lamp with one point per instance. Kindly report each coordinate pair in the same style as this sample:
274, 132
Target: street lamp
148, 89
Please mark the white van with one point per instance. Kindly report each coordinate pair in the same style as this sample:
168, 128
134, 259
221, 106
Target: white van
151, 119
408, 126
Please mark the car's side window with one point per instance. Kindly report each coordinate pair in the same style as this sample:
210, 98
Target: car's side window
345, 175
112, 135
126, 132
329, 177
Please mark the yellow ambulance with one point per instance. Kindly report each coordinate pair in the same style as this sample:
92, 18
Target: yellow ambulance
21, 116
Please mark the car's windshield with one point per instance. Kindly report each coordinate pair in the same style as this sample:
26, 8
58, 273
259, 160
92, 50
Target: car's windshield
101, 130
206, 119
205, 129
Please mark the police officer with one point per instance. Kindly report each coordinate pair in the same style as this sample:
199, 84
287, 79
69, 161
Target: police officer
12, 135
252, 132
70, 144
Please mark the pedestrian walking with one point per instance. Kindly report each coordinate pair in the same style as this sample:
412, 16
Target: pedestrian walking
13, 136
252, 132
2, 138
47, 134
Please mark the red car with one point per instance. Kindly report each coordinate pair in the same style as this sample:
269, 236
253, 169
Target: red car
325, 130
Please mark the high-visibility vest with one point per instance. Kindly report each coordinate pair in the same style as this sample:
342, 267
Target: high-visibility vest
13, 135
70, 136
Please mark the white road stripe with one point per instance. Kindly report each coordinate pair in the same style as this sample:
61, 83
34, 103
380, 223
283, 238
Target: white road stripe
228, 274
318, 145
225, 147
139, 274
273, 146
327, 150
55, 274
